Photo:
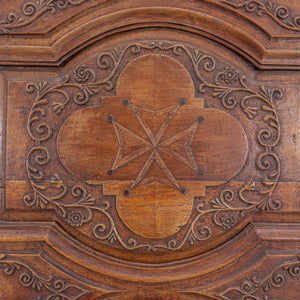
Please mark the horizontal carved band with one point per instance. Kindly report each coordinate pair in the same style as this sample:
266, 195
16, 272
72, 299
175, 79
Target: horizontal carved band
279, 13
57, 288
32, 10
251, 289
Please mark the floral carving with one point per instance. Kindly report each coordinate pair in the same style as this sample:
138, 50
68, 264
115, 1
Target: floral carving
228, 88
75, 217
228, 221
279, 13
230, 75
251, 289
57, 288
82, 73
32, 10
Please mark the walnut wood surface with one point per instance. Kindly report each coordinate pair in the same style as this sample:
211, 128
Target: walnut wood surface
150, 149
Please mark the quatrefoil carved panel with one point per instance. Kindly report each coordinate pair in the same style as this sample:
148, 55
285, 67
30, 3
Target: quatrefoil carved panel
155, 143
135, 166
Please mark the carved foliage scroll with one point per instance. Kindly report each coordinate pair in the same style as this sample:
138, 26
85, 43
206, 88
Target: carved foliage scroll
32, 10
281, 14
56, 288
258, 289
80, 207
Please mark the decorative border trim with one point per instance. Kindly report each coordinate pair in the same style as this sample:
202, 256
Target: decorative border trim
249, 289
279, 13
56, 287
32, 10
227, 86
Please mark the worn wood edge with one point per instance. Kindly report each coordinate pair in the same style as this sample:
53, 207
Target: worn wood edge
219, 6
54, 236
157, 274
280, 261
217, 276
56, 51
156, 257
290, 30
3, 87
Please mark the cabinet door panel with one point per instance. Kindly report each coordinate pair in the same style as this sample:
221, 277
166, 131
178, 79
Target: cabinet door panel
149, 150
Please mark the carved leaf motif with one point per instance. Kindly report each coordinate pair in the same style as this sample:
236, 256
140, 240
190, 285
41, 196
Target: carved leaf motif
271, 7
227, 85
91, 90
192, 239
56, 181
43, 87
112, 238
220, 92
280, 14
217, 203
56, 287
252, 289
58, 107
41, 202
88, 200
196, 56
32, 10
265, 92
250, 111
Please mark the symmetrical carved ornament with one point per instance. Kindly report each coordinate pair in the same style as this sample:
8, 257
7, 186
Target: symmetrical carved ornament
257, 289
56, 288
32, 10
63, 109
279, 13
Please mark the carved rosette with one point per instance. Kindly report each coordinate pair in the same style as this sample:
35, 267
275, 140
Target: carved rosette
95, 202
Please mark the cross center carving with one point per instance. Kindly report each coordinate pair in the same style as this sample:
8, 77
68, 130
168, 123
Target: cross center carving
155, 144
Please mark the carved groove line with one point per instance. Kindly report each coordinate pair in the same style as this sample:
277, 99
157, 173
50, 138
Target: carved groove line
32, 10
228, 86
249, 289
154, 141
279, 13
57, 287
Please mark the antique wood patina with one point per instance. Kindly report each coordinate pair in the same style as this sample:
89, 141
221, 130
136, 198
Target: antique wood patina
150, 149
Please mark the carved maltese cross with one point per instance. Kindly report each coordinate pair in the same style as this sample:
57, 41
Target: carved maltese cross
153, 145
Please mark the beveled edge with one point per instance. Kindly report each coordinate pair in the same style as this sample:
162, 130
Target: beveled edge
56, 47
247, 242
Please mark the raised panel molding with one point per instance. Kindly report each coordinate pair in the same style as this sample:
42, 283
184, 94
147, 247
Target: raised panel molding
279, 13
264, 268
32, 11
213, 19
149, 149
219, 181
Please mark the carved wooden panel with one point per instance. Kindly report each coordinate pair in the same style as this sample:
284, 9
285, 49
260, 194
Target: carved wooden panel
149, 150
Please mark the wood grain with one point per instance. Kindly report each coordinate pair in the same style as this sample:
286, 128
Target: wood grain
149, 149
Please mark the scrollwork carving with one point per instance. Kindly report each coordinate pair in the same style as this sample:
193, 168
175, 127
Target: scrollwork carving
112, 60
78, 88
251, 289
235, 91
279, 13
32, 10
57, 288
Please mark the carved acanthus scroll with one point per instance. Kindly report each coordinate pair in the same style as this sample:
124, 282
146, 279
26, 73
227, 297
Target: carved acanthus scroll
279, 13
32, 10
56, 288
81, 87
254, 288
